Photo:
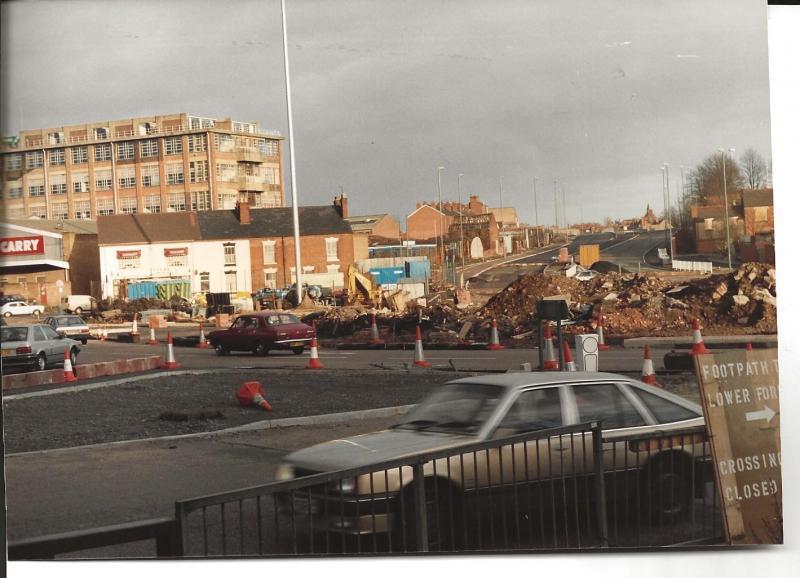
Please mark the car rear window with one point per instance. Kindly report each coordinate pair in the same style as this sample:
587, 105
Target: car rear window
662, 409
76, 321
61, 321
13, 334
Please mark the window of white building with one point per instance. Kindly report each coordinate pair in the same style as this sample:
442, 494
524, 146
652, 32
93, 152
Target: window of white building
126, 177
152, 203
175, 174
198, 171
35, 188
102, 152
125, 151
102, 181
14, 162
197, 143
201, 200
56, 157
150, 176
80, 155
83, 210
148, 148
230, 253
173, 145
127, 205
34, 159
60, 210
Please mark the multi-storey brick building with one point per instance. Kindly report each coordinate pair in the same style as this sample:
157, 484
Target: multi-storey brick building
155, 164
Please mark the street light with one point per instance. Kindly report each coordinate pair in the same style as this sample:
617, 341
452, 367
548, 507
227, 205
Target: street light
668, 216
461, 227
536, 211
441, 238
725, 195
295, 213
502, 239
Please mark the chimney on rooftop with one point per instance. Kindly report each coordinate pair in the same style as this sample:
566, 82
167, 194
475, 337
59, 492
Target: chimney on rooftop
243, 212
340, 203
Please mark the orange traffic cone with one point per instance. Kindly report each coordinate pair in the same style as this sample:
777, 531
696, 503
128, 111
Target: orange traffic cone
419, 354
314, 362
748, 347
601, 339
203, 344
251, 393
69, 373
170, 362
648, 373
569, 365
698, 347
550, 362
153, 340
135, 325
375, 336
494, 342
101, 333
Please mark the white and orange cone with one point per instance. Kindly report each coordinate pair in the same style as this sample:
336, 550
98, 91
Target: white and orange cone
251, 393
170, 362
135, 325
153, 340
203, 343
375, 336
550, 362
601, 346
69, 373
569, 364
648, 373
419, 354
698, 347
101, 333
494, 342
314, 362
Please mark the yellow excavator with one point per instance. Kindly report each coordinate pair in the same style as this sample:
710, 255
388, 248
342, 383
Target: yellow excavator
362, 288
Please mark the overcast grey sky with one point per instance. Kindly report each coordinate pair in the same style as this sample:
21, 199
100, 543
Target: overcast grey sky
597, 94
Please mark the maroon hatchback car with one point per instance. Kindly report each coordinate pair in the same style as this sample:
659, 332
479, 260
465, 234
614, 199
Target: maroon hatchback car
260, 332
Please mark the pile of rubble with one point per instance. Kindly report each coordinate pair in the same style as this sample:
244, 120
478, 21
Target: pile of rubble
632, 305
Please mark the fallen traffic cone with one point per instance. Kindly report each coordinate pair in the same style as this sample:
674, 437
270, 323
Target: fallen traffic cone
135, 325
569, 365
648, 373
203, 344
601, 339
314, 362
153, 340
69, 373
698, 347
251, 393
170, 362
550, 362
494, 342
375, 336
419, 354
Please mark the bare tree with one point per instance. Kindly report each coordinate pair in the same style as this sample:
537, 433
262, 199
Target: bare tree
706, 180
754, 168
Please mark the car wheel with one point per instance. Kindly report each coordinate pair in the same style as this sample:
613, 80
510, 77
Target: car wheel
7, 314
36, 313
261, 349
221, 350
41, 362
78, 311
73, 358
84, 341
667, 494
298, 350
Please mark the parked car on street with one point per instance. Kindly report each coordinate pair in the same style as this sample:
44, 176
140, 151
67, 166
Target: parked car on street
69, 325
261, 332
483, 408
20, 308
35, 347
77, 304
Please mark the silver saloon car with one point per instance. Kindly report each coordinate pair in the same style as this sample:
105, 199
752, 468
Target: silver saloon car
492, 407
35, 347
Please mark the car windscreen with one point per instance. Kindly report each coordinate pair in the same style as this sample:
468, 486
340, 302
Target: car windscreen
13, 334
455, 408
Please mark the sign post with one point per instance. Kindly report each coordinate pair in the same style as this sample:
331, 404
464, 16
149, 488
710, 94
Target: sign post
739, 392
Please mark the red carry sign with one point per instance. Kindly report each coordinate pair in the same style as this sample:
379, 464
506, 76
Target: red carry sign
128, 254
33, 245
179, 252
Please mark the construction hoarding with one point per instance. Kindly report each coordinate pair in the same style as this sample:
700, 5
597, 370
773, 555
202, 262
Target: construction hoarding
739, 392
588, 255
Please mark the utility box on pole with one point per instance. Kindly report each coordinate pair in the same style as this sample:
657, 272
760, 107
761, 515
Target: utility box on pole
588, 356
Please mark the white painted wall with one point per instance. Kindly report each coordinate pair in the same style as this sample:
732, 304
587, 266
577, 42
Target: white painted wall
204, 256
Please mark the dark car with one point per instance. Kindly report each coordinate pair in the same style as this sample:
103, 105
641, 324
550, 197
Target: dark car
261, 332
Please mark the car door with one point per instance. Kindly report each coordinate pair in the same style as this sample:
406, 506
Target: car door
248, 334
230, 338
55, 343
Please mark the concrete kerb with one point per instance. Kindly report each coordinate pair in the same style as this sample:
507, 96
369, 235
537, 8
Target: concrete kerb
329, 418
110, 383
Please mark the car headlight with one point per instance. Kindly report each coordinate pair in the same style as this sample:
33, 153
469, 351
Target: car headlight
284, 472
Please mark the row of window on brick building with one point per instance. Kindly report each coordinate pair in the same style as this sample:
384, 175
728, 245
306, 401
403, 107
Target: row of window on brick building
126, 151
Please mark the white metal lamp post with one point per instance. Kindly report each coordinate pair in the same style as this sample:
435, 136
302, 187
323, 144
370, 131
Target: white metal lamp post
441, 222
461, 227
667, 213
298, 266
